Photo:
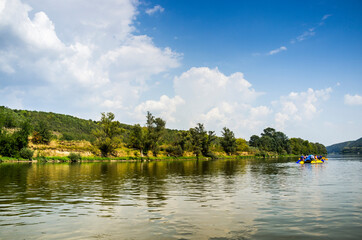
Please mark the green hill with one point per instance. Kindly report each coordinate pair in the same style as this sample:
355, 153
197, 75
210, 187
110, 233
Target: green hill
65, 126
346, 147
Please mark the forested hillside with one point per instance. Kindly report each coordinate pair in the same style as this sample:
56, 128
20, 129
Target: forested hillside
66, 127
346, 147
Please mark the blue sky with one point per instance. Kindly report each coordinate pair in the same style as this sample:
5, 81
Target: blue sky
292, 65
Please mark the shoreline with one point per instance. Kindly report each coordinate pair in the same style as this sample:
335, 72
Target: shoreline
131, 159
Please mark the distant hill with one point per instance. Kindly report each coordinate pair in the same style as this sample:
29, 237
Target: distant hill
66, 126
346, 147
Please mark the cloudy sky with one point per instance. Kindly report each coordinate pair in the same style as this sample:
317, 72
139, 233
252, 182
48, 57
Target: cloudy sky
292, 65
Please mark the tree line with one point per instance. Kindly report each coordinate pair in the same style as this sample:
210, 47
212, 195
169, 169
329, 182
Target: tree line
198, 140
108, 135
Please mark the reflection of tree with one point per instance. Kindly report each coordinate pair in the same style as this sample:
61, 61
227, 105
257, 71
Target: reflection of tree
154, 180
112, 185
16, 176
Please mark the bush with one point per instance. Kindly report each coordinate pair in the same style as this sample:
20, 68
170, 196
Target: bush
74, 157
67, 136
26, 153
174, 151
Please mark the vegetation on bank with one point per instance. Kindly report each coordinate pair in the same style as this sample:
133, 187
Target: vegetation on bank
49, 136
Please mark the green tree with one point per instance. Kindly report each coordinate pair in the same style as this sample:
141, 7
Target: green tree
156, 129
201, 141
9, 120
138, 139
11, 144
108, 135
179, 144
282, 143
42, 133
228, 141
241, 145
207, 142
266, 143
197, 136
254, 141
183, 137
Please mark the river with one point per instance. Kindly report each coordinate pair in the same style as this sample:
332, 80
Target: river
220, 199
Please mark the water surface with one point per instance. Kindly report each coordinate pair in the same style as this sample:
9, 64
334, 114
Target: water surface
222, 199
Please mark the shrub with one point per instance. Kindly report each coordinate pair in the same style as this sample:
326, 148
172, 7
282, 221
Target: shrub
174, 151
74, 157
26, 153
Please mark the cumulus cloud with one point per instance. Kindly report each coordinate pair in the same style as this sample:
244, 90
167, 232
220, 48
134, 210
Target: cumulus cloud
157, 8
299, 106
209, 96
164, 108
92, 59
353, 100
278, 50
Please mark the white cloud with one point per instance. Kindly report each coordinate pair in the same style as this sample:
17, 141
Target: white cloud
91, 59
164, 108
213, 98
326, 16
298, 107
311, 31
278, 50
307, 34
34, 34
353, 100
155, 9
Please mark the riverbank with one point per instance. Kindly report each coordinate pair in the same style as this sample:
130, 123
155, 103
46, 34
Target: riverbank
128, 159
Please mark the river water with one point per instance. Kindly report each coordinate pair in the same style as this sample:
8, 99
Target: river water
221, 199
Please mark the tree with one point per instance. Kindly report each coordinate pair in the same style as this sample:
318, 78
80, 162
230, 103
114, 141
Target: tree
108, 135
296, 145
241, 145
270, 132
210, 139
11, 144
202, 140
228, 141
156, 129
42, 133
254, 141
197, 134
182, 139
266, 143
9, 120
179, 144
138, 139
282, 143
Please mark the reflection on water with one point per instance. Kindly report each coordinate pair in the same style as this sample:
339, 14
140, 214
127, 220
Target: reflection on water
222, 199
